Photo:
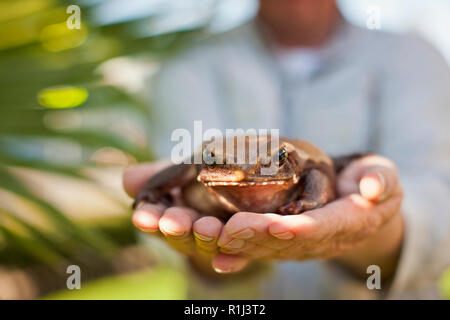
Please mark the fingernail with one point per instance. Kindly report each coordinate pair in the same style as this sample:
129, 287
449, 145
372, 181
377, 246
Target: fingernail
244, 234
148, 230
235, 244
222, 270
174, 233
202, 237
284, 236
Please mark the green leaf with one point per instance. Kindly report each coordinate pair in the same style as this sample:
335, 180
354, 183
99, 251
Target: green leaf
160, 283
62, 97
32, 245
95, 240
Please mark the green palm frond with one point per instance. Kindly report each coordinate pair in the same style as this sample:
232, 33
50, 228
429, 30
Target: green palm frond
38, 53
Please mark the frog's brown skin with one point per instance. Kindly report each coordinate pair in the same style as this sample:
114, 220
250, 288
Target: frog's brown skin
305, 181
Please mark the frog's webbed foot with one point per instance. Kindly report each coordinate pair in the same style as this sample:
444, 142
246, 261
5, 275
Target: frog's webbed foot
153, 196
158, 188
299, 206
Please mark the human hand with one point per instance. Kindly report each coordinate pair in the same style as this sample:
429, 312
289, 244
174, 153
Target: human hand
183, 228
363, 226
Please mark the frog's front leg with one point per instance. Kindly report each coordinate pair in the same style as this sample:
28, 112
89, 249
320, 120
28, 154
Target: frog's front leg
158, 188
318, 189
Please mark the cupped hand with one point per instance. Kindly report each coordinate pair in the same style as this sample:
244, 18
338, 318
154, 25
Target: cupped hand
370, 200
183, 228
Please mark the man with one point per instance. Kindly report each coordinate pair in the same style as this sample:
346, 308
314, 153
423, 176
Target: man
301, 68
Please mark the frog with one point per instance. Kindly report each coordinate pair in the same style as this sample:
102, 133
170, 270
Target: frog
303, 178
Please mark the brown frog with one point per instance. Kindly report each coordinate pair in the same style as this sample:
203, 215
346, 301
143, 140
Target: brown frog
304, 179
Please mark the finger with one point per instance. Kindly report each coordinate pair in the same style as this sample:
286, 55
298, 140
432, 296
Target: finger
249, 225
334, 218
177, 221
225, 263
146, 217
248, 232
352, 215
296, 227
176, 224
135, 177
229, 244
349, 179
236, 231
253, 250
206, 232
378, 183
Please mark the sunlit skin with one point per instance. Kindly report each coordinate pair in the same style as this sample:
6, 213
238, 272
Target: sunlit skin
363, 227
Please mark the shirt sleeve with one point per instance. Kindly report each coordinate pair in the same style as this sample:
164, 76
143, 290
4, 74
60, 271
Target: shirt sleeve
413, 130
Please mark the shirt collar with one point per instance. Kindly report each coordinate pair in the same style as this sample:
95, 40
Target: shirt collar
331, 52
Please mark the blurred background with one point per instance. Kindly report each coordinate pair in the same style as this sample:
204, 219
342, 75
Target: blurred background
73, 116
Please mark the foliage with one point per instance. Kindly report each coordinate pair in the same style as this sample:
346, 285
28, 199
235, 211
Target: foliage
445, 285
49, 80
159, 284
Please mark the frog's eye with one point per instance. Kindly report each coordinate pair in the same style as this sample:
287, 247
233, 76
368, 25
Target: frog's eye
209, 157
280, 157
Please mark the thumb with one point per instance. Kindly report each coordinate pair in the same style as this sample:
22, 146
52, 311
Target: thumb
378, 183
135, 177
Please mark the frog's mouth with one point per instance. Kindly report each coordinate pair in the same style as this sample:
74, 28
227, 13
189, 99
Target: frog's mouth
229, 177
254, 193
